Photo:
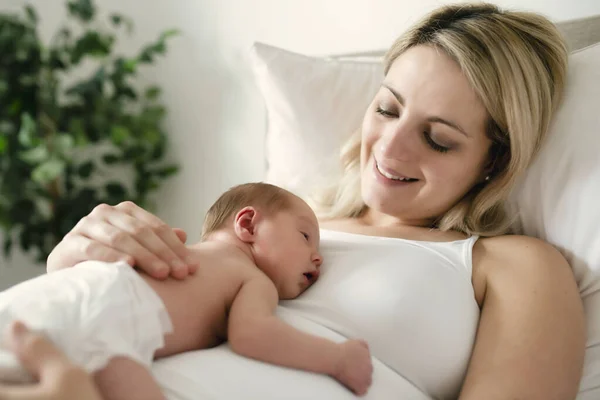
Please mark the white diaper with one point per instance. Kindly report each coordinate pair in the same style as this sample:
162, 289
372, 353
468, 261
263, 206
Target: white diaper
93, 312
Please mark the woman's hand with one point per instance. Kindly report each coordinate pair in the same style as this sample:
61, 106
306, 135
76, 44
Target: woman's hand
125, 232
58, 379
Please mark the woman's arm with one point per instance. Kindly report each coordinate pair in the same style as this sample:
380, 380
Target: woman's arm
124, 232
531, 338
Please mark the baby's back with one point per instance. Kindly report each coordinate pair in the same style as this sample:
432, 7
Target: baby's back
199, 305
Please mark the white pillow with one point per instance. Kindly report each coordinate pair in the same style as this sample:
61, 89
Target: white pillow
314, 104
559, 198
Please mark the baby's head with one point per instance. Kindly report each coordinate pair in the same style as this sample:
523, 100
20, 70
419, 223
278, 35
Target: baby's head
280, 230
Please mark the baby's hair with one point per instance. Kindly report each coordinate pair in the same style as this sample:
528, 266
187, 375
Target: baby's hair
263, 196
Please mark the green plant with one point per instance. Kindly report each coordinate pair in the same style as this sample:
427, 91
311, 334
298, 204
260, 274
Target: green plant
68, 144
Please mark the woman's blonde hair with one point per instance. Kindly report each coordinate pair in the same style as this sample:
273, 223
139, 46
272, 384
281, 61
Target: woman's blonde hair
516, 62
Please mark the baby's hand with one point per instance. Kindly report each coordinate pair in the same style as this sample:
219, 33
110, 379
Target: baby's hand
355, 369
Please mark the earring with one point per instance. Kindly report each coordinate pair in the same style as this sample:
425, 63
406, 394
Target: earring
487, 178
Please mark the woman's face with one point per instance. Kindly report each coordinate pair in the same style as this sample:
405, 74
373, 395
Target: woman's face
423, 138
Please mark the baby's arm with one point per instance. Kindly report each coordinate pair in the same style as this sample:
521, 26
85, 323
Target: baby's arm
254, 331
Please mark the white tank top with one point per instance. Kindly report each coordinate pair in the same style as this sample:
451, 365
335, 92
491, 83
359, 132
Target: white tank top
413, 301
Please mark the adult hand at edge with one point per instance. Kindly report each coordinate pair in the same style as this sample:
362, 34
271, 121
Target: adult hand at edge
57, 377
125, 232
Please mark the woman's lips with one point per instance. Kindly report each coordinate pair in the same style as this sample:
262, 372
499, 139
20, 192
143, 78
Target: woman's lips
390, 177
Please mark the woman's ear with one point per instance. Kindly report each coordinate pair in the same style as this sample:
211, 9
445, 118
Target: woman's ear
244, 224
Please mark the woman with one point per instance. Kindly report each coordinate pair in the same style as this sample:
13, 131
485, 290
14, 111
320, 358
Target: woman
467, 97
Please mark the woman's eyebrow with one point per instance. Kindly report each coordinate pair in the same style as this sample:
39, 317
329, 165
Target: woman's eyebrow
397, 95
440, 120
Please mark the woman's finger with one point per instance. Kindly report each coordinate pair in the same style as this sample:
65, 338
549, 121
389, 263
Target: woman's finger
99, 240
57, 377
162, 230
37, 354
131, 231
181, 234
14, 392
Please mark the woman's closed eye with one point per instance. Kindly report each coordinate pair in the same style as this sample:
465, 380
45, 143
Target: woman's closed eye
386, 113
432, 143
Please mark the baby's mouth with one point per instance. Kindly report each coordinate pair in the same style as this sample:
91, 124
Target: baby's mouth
311, 276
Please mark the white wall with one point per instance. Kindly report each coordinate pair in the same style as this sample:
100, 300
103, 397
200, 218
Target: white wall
216, 119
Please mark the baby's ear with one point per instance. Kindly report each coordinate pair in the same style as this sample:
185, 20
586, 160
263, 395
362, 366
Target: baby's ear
244, 224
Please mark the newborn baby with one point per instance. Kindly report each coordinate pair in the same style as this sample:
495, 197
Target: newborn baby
259, 244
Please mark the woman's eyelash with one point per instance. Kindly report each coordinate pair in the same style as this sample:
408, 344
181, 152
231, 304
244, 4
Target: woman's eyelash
437, 147
385, 113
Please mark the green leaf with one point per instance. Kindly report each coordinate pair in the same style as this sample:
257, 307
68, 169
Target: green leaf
167, 171
63, 144
15, 107
119, 134
3, 144
31, 14
27, 80
27, 132
86, 169
116, 19
7, 246
44, 207
48, 171
25, 239
152, 93
169, 33
146, 56
92, 43
129, 66
3, 87
115, 191
111, 158
77, 129
35, 156
81, 9
151, 137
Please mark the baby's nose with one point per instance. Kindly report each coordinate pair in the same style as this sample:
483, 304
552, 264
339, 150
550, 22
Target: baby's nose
317, 260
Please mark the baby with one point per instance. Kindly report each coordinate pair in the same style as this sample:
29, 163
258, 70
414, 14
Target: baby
260, 243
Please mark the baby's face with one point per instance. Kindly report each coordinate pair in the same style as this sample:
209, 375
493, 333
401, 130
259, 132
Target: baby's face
289, 249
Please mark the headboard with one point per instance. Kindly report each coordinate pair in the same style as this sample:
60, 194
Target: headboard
579, 33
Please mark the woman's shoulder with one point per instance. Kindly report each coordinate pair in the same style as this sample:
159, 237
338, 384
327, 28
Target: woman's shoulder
513, 256
514, 246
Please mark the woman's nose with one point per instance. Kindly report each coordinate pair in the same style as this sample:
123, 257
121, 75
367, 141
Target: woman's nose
400, 141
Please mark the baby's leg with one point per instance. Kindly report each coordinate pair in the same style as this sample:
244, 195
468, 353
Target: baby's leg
125, 379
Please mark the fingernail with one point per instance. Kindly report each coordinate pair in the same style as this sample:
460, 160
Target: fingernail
159, 266
191, 260
178, 265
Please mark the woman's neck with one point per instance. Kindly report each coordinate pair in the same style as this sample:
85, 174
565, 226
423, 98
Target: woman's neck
378, 219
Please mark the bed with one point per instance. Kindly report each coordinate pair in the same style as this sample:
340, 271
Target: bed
557, 201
